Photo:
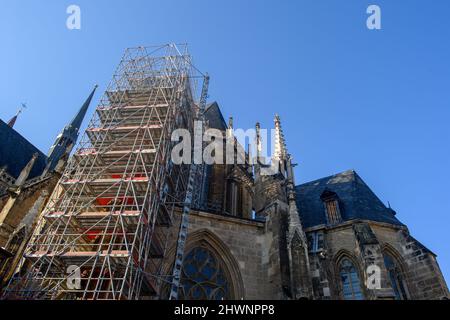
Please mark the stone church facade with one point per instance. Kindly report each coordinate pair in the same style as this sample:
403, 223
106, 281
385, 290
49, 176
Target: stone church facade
256, 236
267, 238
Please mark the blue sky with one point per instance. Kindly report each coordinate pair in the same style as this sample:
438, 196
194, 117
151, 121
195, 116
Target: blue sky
348, 97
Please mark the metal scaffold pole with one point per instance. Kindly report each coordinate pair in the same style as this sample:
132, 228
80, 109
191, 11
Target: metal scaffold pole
194, 184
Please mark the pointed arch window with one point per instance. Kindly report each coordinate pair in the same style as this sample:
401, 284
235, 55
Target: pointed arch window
395, 277
234, 198
351, 284
204, 276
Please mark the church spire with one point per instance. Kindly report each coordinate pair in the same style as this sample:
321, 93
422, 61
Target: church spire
68, 137
13, 120
75, 124
280, 144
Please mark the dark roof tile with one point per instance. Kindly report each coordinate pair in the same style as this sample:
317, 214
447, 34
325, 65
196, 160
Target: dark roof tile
357, 200
16, 152
214, 116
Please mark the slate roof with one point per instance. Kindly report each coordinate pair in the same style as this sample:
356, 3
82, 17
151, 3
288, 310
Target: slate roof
357, 200
215, 117
16, 152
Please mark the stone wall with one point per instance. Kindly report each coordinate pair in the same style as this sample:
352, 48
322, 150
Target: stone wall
419, 267
247, 241
421, 270
24, 202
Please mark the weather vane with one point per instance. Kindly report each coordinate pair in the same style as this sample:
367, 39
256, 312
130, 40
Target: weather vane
23, 106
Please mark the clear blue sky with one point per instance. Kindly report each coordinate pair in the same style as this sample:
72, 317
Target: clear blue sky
349, 98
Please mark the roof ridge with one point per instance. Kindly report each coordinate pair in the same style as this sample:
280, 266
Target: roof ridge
328, 177
21, 136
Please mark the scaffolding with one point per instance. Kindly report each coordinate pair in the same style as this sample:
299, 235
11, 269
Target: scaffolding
107, 220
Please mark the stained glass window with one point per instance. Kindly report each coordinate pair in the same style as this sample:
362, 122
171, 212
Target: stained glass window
203, 277
351, 285
395, 277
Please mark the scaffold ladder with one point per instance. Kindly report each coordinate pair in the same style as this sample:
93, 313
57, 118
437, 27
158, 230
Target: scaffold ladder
195, 170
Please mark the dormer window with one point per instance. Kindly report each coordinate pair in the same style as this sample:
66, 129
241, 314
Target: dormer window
331, 203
